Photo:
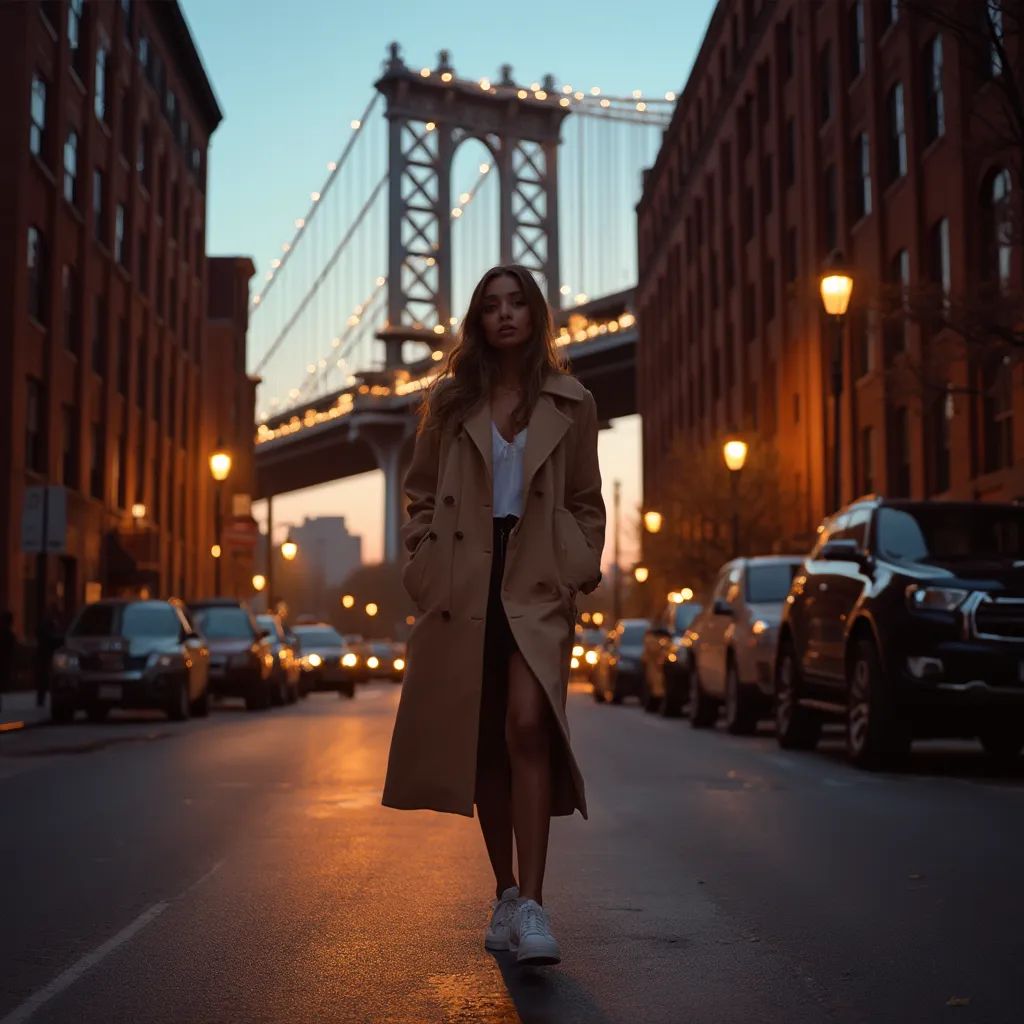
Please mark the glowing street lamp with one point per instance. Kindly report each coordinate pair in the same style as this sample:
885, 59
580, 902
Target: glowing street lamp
372, 609
259, 581
836, 287
652, 521
734, 452
220, 468
138, 511
347, 601
289, 549
640, 573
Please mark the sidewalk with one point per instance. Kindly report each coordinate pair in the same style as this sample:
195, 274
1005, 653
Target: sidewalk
19, 711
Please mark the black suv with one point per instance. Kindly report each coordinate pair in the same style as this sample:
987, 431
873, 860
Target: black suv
907, 620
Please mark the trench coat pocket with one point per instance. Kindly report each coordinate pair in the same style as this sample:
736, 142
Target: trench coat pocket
414, 574
577, 561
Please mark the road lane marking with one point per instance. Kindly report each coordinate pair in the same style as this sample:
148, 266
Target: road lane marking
67, 978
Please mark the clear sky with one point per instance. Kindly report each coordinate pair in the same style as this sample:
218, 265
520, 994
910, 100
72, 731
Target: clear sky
290, 77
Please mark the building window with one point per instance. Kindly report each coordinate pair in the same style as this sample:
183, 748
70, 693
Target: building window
940, 413
939, 252
899, 453
997, 414
861, 352
99, 336
825, 82
897, 132
786, 47
934, 102
890, 11
830, 217
142, 161
71, 168
789, 153
143, 262
855, 35
142, 375
769, 289
729, 259
34, 413
896, 322
100, 88
36, 259
792, 256
69, 300
126, 127
992, 29
767, 184
37, 129
98, 213
120, 235
862, 162
744, 128
867, 460
996, 228
75, 32
98, 460
123, 357
68, 447
126, 18
749, 313
747, 213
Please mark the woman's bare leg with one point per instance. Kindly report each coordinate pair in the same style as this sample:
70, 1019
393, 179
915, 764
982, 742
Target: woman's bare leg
528, 734
494, 808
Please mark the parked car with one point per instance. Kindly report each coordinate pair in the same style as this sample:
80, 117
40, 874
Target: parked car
666, 686
241, 658
619, 671
907, 620
130, 654
586, 652
286, 672
732, 642
328, 660
385, 660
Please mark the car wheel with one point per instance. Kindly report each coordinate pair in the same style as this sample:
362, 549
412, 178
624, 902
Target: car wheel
876, 737
348, 691
703, 709
61, 713
672, 703
796, 727
201, 705
1002, 741
740, 711
97, 712
178, 706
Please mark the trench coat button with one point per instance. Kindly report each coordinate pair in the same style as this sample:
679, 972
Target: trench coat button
449, 500
538, 492
432, 535
446, 615
459, 535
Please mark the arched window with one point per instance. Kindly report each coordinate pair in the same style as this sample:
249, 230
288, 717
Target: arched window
996, 227
897, 128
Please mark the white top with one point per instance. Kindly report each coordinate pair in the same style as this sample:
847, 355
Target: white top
507, 460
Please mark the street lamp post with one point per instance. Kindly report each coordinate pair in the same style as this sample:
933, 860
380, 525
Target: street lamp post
617, 582
735, 454
836, 287
220, 467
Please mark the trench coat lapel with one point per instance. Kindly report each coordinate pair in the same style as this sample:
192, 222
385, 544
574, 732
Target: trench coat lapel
545, 429
478, 426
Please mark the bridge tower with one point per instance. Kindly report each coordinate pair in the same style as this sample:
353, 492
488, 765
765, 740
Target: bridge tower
430, 113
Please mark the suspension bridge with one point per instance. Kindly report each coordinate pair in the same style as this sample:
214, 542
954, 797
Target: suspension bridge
440, 178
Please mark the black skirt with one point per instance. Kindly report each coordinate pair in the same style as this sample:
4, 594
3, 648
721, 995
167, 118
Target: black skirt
499, 646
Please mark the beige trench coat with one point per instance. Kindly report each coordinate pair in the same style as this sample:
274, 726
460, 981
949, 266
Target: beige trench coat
553, 553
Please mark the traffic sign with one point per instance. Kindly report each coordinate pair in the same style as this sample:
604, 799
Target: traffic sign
44, 519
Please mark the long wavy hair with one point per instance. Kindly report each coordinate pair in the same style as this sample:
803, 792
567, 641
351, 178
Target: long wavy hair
472, 365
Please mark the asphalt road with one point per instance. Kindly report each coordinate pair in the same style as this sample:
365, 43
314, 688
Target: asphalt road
241, 869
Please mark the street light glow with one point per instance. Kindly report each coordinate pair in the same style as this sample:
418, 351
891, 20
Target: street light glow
289, 549
652, 521
347, 600
215, 551
836, 289
640, 573
220, 464
735, 454
371, 609
138, 510
259, 581
687, 594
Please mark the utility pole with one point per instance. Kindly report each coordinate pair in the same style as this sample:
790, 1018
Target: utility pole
617, 581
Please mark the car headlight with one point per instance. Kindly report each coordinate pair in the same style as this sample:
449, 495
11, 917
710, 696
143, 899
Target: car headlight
577, 651
590, 657
65, 661
372, 661
350, 660
399, 664
575, 663
315, 661
935, 599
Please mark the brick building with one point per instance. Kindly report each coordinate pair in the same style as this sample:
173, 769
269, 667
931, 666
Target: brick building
807, 128
104, 346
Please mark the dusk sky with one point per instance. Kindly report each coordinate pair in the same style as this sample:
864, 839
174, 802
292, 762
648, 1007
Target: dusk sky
290, 78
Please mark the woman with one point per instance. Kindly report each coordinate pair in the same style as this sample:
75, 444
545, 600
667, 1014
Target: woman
506, 527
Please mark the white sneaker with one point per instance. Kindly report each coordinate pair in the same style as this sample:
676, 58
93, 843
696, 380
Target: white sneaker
530, 937
501, 919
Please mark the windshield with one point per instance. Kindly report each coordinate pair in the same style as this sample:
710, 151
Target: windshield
327, 637
223, 622
686, 613
270, 624
926, 532
633, 633
132, 620
770, 582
